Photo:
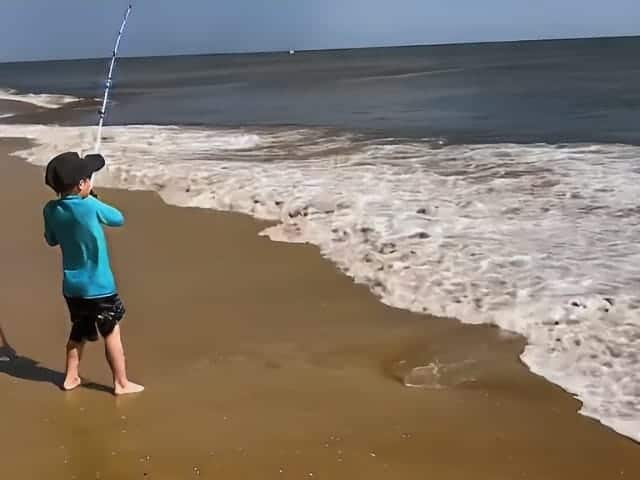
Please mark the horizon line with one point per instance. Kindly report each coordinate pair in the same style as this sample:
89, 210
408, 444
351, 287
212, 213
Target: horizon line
317, 50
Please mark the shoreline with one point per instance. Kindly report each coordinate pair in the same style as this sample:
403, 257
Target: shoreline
262, 360
370, 261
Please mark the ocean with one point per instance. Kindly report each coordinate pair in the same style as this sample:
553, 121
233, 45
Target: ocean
491, 183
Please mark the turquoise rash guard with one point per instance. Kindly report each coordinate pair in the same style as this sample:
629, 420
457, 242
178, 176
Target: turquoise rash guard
75, 224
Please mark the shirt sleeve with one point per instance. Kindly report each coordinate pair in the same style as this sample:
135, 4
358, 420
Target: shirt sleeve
49, 234
108, 215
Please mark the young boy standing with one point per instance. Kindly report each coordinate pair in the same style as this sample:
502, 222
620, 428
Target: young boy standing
74, 222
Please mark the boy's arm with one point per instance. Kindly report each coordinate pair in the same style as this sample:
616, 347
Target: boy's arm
108, 215
49, 236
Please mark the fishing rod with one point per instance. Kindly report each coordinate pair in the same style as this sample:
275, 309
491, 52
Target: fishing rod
109, 82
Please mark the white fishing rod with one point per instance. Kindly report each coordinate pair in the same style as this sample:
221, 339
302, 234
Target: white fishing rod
102, 112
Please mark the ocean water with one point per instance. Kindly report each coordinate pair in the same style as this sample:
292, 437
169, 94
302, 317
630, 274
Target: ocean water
491, 183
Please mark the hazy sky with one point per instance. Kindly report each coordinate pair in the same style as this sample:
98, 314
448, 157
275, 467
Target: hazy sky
38, 29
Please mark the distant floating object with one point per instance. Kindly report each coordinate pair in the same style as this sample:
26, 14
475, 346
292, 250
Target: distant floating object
292, 52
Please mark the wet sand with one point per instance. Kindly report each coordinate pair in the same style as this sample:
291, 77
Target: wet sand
261, 360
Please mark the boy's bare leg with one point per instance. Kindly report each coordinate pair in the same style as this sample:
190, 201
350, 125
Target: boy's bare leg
72, 375
115, 356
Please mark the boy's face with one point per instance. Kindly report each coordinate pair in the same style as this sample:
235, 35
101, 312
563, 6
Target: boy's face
84, 187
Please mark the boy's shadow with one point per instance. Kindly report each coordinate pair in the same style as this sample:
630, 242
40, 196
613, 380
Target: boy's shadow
26, 368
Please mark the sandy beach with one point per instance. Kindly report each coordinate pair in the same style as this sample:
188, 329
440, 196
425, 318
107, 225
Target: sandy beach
261, 360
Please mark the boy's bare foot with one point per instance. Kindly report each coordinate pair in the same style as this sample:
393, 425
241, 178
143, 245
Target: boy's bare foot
130, 387
71, 383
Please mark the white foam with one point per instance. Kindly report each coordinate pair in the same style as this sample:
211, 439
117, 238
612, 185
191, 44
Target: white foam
541, 240
39, 100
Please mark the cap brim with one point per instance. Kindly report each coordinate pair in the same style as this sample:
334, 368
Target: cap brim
94, 162
49, 176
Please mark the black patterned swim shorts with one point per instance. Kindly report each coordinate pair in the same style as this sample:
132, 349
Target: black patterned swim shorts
92, 315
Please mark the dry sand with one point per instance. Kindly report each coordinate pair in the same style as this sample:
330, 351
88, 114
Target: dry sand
262, 361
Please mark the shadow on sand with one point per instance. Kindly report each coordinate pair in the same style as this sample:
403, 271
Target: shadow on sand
25, 368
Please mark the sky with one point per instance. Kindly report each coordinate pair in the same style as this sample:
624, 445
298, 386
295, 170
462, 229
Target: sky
46, 29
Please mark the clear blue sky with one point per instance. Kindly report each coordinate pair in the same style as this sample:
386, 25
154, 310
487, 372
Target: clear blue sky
39, 29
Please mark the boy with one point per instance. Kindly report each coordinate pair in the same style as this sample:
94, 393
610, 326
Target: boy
74, 221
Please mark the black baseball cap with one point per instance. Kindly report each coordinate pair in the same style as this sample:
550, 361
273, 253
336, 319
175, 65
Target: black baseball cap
67, 169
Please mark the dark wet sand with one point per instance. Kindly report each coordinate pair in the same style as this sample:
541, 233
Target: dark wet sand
262, 361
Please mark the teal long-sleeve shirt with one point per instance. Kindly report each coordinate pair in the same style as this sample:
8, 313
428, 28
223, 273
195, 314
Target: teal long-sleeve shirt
75, 224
